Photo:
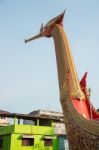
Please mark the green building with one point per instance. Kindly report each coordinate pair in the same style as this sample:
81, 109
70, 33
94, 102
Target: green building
33, 132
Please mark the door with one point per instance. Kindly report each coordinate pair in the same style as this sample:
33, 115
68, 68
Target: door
63, 143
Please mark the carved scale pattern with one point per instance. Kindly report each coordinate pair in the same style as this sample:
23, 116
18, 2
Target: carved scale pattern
82, 134
65, 64
80, 138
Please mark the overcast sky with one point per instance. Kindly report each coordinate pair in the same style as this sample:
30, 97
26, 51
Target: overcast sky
28, 73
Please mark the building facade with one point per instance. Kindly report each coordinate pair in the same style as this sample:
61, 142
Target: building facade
4, 120
37, 133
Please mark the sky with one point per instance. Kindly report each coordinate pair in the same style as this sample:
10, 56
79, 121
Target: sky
28, 73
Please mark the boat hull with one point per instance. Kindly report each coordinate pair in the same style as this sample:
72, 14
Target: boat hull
82, 134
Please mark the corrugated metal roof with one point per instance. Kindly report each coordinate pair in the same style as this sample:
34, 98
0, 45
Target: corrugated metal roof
47, 113
3, 111
28, 117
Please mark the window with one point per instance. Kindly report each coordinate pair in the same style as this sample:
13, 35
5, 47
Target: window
44, 122
27, 141
66, 144
47, 142
1, 142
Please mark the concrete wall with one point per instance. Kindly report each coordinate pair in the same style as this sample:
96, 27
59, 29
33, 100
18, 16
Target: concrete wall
12, 137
